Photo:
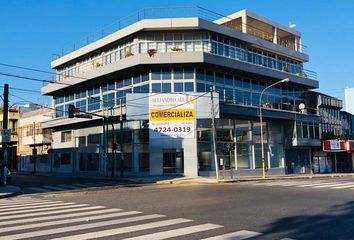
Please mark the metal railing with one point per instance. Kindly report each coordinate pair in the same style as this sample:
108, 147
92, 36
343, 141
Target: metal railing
167, 12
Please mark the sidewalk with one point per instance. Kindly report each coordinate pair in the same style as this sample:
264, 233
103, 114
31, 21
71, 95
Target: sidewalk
204, 180
9, 191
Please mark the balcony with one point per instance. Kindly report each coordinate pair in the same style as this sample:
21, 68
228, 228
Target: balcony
252, 25
41, 139
206, 44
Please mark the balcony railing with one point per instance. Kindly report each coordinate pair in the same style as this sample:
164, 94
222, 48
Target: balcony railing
203, 45
168, 12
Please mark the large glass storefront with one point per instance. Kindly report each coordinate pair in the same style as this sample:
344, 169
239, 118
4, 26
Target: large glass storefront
244, 137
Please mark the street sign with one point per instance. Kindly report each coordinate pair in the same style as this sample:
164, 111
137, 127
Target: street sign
6, 135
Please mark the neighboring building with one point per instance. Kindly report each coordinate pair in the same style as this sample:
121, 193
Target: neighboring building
13, 117
349, 100
239, 55
335, 131
32, 135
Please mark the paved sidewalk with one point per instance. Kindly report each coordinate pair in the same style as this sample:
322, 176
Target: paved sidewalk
205, 180
9, 191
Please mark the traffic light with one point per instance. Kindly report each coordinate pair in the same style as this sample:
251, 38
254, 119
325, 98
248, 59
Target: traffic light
72, 110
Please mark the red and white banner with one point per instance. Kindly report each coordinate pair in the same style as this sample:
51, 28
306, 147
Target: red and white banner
350, 146
334, 145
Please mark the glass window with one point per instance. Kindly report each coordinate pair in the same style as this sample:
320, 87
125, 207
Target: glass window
188, 87
305, 131
219, 78
156, 74
228, 80
145, 76
238, 82
108, 100
127, 82
166, 73
188, 73
178, 73
66, 136
144, 88
200, 74
210, 76
166, 87
136, 79
178, 87
59, 111
93, 104
156, 87
246, 83
119, 83
200, 87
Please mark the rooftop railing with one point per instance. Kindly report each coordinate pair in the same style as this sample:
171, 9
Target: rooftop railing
164, 12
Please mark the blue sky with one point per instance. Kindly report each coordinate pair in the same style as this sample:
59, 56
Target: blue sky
30, 31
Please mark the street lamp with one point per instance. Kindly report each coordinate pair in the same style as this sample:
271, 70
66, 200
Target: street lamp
261, 120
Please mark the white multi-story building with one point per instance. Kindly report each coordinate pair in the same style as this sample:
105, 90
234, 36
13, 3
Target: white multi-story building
176, 50
349, 100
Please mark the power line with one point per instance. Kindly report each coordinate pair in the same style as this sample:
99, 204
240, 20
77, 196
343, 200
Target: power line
33, 79
38, 70
22, 89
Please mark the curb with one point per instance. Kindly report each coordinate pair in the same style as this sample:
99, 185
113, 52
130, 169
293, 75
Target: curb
180, 182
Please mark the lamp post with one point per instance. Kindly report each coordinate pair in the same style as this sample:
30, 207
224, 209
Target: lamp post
261, 120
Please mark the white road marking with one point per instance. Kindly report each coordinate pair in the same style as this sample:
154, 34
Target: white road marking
60, 216
332, 185
176, 232
67, 205
348, 186
13, 203
78, 227
66, 221
314, 184
23, 208
28, 204
122, 230
51, 212
243, 234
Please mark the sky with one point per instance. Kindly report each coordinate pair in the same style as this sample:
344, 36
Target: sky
32, 30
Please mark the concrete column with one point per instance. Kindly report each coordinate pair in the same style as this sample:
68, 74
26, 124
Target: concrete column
156, 157
244, 22
135, 152
190, 157
275, 35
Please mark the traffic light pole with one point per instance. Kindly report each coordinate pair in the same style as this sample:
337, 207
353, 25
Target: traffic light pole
4, 127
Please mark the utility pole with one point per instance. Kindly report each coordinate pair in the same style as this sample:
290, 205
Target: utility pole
34, 150
114, 146
213, 133
5, 115
121, 139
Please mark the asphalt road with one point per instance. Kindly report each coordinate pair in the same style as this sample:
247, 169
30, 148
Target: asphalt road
319, 209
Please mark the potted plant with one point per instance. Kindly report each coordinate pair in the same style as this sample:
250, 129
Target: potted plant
128, 53
176, 49
98, 64
285, 69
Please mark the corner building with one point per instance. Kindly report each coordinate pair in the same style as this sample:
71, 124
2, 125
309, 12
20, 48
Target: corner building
187, 50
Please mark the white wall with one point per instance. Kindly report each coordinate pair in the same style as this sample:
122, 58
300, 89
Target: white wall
349, 100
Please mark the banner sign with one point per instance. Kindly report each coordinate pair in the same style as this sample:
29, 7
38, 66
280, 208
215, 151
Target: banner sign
137, 105
334, 145
172, 115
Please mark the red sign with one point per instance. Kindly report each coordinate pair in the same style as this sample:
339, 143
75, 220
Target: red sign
334, 145
350, 146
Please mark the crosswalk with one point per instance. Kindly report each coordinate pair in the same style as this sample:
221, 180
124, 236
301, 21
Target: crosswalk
68, 187
312, 184
31, 218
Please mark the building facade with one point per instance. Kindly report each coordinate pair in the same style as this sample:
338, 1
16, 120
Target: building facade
336, 133
13, 118
238, 56
32, 137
